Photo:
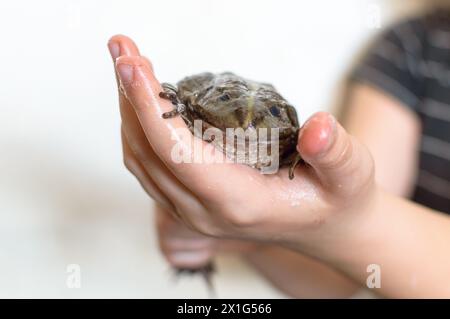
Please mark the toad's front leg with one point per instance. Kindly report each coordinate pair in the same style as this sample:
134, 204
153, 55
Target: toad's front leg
170, 93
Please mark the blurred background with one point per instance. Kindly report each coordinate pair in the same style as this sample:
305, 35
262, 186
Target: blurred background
67, 204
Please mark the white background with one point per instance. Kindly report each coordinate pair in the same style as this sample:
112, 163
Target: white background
65, 197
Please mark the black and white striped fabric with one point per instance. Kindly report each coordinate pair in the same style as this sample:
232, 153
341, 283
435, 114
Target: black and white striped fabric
411, 62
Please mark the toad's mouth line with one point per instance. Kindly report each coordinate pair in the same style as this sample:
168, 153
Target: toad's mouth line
284, 133
283, 146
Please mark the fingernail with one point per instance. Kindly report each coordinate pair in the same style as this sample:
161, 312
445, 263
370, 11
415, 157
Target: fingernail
114, 49
189, 257
322, 127
327, 134
125, 72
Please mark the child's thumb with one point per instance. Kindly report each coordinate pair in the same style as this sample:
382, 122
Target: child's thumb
340, 161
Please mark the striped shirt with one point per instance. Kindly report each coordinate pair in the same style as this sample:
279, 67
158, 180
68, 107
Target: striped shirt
411, 62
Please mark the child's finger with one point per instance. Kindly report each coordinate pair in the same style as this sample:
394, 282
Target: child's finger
120, 45
165, 135
165, 184
170, 186
135, 167
338, 159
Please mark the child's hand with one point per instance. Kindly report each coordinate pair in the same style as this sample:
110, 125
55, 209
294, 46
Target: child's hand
325, 202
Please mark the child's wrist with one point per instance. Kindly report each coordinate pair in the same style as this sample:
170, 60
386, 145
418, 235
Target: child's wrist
343, 235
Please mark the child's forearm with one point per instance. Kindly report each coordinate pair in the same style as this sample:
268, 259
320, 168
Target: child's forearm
409, 243
299, 276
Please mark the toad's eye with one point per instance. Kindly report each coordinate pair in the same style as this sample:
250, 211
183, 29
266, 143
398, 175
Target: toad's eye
274, 110
224, 97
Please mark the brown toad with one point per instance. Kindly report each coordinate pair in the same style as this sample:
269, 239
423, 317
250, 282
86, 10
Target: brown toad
226, 100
